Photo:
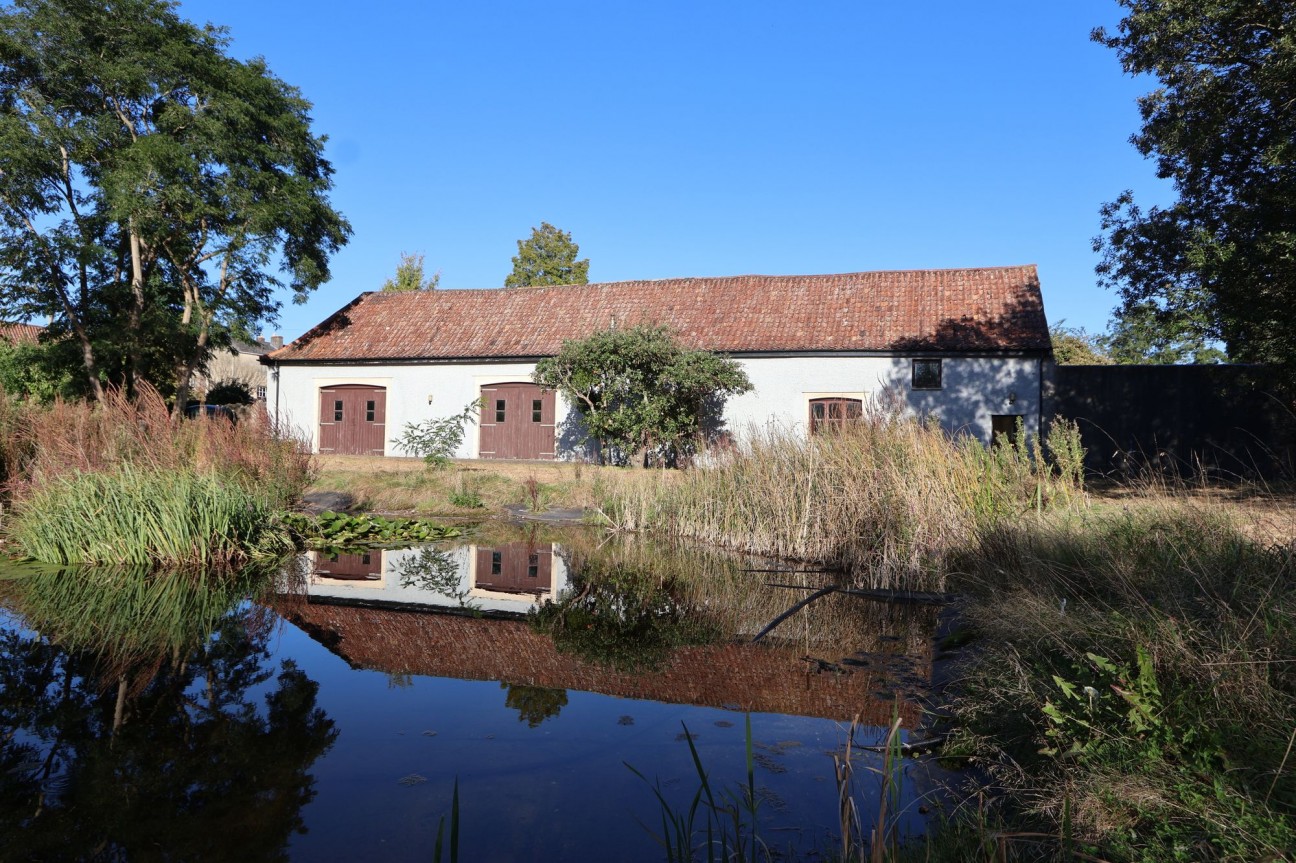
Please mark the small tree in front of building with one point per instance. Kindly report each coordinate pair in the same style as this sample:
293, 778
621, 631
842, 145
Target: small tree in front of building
436, 440
639, 391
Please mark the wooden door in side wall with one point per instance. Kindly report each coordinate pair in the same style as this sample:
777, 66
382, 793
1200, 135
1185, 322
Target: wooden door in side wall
353, 419
517, 421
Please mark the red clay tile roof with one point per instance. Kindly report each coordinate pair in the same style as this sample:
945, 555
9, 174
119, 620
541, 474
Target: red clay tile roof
990, 309
19, 334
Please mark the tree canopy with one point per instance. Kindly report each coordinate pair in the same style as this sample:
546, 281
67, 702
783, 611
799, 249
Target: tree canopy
639, 391
409, 276
547, 257
155, 193
1076, 346
1219, 263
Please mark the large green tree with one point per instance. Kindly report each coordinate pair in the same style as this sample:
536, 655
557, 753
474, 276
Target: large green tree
155, 193
547, 257
410, 277
639, 391
1219, 263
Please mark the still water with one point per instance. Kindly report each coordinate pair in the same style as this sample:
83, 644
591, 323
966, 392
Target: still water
328, 712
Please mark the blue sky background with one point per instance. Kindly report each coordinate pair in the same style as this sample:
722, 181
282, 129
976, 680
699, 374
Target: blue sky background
711, 138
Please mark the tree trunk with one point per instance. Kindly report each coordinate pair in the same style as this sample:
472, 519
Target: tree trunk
135, 320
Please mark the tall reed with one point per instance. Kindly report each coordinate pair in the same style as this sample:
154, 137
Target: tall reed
886, 498
39, 443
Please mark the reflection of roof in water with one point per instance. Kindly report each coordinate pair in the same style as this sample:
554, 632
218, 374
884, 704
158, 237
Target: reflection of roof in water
755, 678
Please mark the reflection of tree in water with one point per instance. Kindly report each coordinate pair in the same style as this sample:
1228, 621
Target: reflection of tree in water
534, 704
435, 571
622, 617
206, 758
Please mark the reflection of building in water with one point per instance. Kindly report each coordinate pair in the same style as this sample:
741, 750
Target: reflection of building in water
507, 579
365, 567
757, 678
517, 567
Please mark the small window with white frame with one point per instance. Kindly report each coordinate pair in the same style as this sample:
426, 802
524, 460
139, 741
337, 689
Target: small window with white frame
926, 374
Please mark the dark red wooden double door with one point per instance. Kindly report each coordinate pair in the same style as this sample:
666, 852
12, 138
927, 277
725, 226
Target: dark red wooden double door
353, 420
517, 421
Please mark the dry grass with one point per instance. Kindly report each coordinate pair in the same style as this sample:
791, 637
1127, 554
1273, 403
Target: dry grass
886, 499
1176, 633
407, 485
41, 443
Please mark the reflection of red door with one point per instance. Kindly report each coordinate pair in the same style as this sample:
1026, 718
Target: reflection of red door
517, 421
353, 419
366, 566
515, 568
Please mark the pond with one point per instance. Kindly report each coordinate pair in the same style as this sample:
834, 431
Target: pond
331, 711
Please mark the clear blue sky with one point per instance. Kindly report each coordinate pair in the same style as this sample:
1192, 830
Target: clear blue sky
711, 138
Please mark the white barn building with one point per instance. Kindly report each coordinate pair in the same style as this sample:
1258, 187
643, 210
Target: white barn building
967, 346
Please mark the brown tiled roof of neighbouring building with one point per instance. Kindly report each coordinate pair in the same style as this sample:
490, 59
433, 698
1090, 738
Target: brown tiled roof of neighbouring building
19, 334
991, 309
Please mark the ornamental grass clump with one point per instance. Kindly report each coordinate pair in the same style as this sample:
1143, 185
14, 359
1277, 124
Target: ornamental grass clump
132, 517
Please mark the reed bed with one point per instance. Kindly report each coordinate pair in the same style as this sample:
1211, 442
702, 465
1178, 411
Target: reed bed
125, 482
39, 443
885, 498
131, 517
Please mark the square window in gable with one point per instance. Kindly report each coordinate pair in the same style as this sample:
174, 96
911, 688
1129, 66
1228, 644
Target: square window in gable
926, 374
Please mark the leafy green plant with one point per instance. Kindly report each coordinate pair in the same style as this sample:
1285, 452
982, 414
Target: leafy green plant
437, 440
331, 531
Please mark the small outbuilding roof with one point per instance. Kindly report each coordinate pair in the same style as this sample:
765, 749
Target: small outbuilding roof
982, 310
20, 334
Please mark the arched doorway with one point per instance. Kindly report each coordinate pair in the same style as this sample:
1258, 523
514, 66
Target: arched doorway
517, 421
353, 419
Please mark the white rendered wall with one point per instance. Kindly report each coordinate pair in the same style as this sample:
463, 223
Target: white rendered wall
414, 394
973, 389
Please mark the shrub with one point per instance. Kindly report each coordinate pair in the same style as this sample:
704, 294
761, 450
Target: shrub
229, 391
435, 441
